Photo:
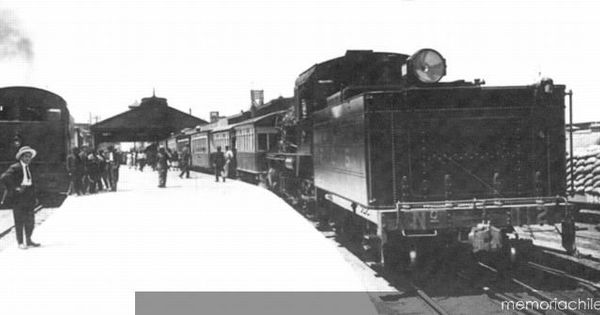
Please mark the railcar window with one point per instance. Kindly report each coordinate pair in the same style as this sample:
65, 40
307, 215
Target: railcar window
32, 114
262, 142
273, 141
53, 114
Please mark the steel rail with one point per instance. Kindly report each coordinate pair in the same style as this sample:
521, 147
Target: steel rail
7, 231
590, 285
531, 290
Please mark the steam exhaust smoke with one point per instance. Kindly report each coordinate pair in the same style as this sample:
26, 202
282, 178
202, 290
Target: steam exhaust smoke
13, 41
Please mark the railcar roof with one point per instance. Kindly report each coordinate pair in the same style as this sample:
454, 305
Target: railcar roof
246, 122
20, 91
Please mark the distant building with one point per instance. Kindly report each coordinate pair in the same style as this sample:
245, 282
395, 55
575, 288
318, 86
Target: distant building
153, 120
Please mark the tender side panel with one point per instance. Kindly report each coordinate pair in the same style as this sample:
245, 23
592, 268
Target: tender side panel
339, 151
465, 143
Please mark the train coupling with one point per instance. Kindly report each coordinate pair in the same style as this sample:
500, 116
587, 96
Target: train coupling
485, 237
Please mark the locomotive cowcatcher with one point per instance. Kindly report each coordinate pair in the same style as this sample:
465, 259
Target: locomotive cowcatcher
394, 158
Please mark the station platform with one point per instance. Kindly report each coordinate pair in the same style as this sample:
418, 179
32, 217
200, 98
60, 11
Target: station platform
195, 235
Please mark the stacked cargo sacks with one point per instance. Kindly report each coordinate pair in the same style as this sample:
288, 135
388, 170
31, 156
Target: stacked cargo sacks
586, 174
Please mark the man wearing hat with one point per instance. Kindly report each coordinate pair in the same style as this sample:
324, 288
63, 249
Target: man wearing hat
21, 195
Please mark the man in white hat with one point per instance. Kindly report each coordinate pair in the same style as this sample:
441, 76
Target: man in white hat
21, 196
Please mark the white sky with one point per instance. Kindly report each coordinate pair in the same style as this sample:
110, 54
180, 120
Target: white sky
103, 55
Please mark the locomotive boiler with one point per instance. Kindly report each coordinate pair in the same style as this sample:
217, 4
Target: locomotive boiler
402, 162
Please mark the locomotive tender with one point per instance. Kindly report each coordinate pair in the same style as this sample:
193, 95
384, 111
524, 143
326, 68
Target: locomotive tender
40, 119
401, 161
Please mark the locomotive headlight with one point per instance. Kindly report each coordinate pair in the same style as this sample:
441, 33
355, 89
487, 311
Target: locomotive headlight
427, 66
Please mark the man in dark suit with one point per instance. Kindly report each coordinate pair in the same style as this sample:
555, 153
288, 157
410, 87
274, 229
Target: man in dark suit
21, 196
218, 164
114, 161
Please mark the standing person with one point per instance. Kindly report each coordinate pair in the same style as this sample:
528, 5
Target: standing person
184, 162
75, 169
175, 160
228, 168
104, 168
114, 160
93, 168
85, 176
151, 156
218, 164
163, 166
129, 157
21, 195
142, 160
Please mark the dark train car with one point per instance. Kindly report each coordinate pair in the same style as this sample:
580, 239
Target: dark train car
401, 159
39, 119
254, 139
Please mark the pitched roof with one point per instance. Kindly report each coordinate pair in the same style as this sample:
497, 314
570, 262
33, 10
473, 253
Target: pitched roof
152, 120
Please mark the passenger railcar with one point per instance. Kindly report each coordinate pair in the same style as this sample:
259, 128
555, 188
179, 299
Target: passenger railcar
401, 161
255, 137
39, 119
221, 136
200, 150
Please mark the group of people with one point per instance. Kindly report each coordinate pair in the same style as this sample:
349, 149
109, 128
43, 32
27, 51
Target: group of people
91, 170
166, 159
138, 159
223, 163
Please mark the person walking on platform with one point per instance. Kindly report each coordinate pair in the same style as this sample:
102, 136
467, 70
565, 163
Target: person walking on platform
184, 162
75, 169
218, 164
163, 166
21, 196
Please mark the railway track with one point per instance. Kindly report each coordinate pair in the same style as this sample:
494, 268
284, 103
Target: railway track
42, 213
498, 291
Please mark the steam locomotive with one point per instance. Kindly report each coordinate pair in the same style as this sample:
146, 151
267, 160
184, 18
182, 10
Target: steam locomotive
377, 146
39, 119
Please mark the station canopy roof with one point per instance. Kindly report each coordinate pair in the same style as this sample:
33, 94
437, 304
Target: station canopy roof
152, 120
